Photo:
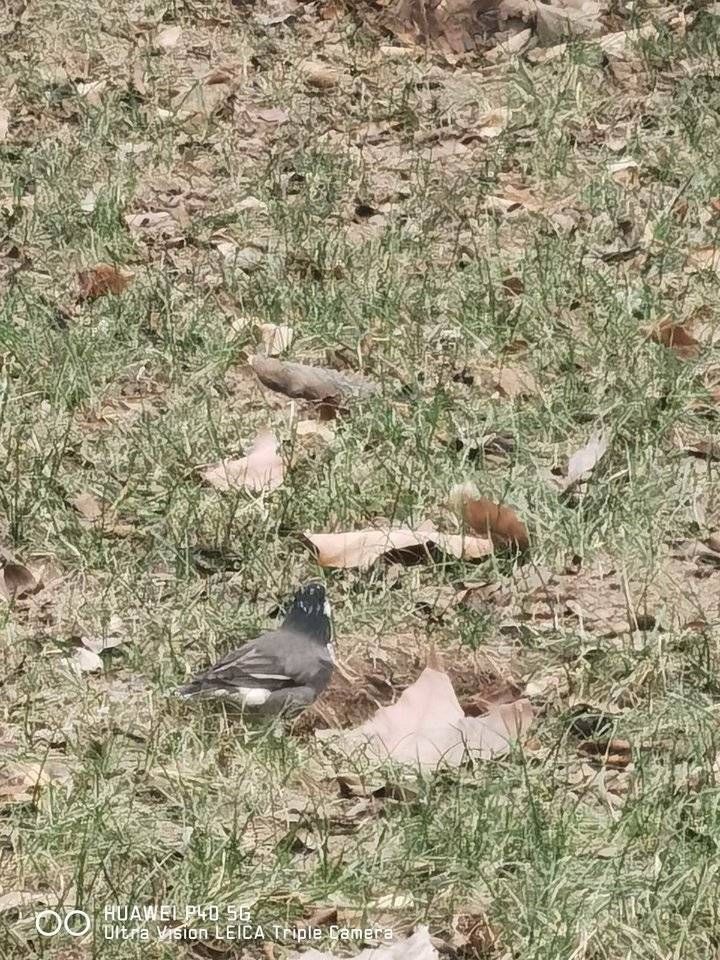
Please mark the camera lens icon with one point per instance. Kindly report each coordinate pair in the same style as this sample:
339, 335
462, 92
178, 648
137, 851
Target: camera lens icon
49, 923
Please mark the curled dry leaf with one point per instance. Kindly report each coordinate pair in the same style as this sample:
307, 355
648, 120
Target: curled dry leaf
319, 384
416, 947
427, 727
88, 506
362, 548
676, 337
510, 47
86, 661
103, 279
584, 460
472, 933
262, 468
493, 520
319, 75
4, 123
16, 581
276, 338
157, 223
491, 125
113, 636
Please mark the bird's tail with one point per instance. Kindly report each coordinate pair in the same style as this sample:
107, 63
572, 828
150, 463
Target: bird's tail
189, 690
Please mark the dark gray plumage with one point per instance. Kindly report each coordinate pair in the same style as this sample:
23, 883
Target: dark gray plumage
283, 670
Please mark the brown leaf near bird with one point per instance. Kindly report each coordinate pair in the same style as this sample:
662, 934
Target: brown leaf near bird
103, 279
489, 519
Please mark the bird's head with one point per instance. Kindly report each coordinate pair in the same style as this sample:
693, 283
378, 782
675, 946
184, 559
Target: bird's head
310, 612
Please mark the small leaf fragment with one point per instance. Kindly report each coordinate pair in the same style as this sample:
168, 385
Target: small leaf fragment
101, 280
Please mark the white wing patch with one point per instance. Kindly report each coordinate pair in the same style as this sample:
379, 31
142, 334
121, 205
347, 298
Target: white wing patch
253, 696
327, 609
269, 676
331, 652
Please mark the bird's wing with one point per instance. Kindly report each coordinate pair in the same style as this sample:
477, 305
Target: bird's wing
255, 664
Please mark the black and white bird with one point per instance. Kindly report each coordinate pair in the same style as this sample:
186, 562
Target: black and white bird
283, 670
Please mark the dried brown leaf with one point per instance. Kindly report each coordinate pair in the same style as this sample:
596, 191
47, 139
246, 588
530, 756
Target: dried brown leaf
4, 123
21, 898
103, 279
555, 22
473, 935
676, 337
514, 382
17, 581
494, 520
313, 428
262, 468
85, 660
319, 75
157, 223
319, 384
21, 781
200, 101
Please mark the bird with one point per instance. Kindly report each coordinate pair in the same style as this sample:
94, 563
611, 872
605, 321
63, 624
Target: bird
282, 671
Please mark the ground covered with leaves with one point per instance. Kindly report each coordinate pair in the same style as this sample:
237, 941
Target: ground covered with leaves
278, 271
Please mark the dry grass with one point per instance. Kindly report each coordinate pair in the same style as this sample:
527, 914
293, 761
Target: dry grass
366, 216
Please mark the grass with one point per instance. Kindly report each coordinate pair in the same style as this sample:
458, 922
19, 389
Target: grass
558, 855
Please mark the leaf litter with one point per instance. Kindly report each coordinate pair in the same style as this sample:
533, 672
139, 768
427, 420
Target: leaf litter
549, 26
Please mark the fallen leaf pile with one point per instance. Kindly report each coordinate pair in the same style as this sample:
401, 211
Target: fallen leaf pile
459, 27
604, 600
427, 727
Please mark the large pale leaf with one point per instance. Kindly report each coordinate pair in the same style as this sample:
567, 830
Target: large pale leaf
362, 548
262, 468
427, 727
